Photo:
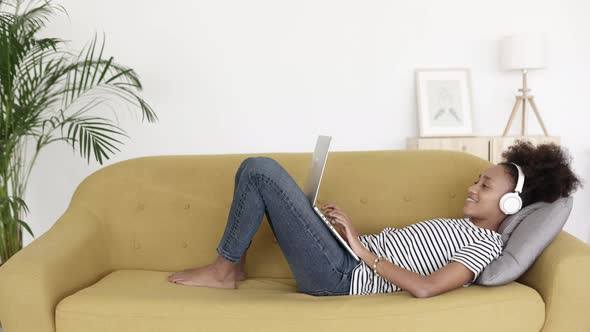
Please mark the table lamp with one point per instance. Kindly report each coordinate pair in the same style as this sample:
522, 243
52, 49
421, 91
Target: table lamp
524, 52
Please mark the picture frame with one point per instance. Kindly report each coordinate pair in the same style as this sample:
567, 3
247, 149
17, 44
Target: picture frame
444, 102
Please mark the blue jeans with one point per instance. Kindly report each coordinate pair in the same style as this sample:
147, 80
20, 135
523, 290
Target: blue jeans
319, 263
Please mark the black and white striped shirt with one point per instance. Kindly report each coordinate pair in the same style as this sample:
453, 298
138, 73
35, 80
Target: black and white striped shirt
425, 247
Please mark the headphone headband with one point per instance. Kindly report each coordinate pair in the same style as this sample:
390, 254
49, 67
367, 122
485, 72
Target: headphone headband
520, 181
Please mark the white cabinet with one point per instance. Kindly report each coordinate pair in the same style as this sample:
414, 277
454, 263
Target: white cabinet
486, 147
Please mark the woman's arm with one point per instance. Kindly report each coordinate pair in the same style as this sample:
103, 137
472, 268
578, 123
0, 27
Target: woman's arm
414, 283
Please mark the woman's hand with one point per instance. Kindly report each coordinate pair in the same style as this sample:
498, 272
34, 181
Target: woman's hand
343, 225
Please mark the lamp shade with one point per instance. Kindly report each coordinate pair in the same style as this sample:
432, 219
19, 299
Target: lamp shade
524, 51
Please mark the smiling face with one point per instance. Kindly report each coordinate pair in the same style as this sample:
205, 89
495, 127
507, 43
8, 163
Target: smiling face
483, 197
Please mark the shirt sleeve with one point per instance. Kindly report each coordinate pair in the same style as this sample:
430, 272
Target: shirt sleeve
476, 256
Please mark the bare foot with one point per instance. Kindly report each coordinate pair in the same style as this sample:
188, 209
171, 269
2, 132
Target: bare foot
207, 276
240, 274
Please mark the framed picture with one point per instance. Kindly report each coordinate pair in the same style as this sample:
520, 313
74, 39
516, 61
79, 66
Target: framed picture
444, 102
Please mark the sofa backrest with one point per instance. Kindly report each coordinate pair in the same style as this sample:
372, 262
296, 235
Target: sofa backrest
168, 213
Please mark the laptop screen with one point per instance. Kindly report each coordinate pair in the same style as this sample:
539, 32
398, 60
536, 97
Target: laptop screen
318, 163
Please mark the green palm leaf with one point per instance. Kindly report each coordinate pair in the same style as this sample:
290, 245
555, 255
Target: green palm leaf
93, 134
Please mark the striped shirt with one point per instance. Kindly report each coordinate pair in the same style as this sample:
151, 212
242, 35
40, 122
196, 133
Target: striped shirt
425, 247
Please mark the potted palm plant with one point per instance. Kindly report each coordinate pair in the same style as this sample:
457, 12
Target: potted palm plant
47, 94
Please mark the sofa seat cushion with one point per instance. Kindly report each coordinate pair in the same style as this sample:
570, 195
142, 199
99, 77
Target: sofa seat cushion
140, 300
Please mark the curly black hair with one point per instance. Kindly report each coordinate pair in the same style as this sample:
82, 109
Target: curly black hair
547, 171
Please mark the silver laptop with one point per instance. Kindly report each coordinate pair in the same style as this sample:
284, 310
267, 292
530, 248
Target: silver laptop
312, 186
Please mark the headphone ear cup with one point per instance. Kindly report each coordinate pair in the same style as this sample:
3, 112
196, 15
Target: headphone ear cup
510, 203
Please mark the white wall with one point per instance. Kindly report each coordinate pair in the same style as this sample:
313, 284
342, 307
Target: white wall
226, 76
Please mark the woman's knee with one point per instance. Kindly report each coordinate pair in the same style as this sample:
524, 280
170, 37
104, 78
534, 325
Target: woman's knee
261, 164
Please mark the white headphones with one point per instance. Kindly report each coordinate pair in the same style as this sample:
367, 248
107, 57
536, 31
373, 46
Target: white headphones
511, 203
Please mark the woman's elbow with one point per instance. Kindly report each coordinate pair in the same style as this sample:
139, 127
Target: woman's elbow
422, 291
422, 294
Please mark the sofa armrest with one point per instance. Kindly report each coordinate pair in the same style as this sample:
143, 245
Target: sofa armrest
68, 257
561, 275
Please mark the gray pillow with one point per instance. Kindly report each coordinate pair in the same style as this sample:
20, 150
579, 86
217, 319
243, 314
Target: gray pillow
525, 235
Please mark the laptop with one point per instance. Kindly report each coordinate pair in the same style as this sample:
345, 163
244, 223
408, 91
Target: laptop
312, 186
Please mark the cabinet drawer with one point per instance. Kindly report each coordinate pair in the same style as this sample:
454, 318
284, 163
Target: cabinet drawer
478, 146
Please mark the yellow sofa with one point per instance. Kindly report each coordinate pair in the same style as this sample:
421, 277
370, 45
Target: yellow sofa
103, 265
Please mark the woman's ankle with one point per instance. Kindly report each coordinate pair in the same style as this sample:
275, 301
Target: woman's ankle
224, 267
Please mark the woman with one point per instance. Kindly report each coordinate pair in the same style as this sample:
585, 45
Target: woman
425, 259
